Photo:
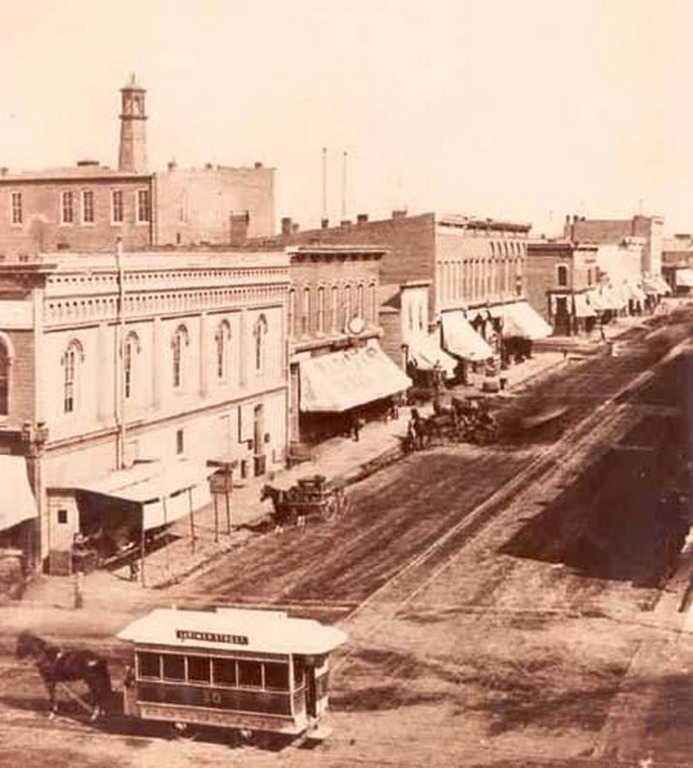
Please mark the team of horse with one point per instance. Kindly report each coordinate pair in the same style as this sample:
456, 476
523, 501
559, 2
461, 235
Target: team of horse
58, 666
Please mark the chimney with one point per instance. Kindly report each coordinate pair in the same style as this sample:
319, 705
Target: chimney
209, 166
286, 226
362, 218
3, 171
399, 213
172, 165
238, 227
132, 155
294, 228
345, 223
324, 223
258, 164
87, 163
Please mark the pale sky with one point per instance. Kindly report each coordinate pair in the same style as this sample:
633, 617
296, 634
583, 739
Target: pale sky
522, 109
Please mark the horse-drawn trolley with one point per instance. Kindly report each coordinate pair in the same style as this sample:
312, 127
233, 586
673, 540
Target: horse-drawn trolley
311, 498
240, 669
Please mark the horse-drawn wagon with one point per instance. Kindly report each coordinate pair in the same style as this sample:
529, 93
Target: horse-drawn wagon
467, 420
311, 498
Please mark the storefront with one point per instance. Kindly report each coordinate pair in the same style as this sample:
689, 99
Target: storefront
520, 325
461, 340
18, 521
339, 390
425, 359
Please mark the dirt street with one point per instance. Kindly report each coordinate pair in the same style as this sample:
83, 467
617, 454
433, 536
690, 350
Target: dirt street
504, 604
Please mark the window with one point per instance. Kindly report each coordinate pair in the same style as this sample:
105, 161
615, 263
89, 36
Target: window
5, 363
347, 304
71, 359
87, 206
198, 669
130, 349
180, 441
372, 301
276, 676
360, 301
143, 206
260, 332
249, 674
17, 214
589, 277
305, 312
225, 672
221, 340
320, 327
66, 208
179, 342
148, 665
117, 206
334, 309
173, 667
62, 517
562, 275
291, 318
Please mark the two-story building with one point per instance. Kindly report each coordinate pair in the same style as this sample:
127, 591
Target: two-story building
122, 376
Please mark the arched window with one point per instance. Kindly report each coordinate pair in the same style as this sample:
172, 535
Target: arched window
221, 345
72, 359
347, 304
373, 303
131, 347
334, 308
5, 365
260, 334
291, 319
180, 340
320, 327
562, 275
360, 301
306, 312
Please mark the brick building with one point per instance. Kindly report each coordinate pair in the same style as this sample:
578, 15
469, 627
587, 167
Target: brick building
338, 372
474, 268
131, 372
88, 206
615, 231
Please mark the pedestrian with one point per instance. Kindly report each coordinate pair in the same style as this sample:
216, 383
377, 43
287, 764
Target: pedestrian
355, 428
602, 333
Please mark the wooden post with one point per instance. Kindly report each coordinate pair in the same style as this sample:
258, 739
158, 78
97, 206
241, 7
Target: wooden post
142, 551
192, 521
167, 564
216, 517
227, 496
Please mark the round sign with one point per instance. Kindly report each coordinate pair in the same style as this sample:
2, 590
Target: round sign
355, 325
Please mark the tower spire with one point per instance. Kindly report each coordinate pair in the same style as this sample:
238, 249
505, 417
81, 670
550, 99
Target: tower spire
133, 138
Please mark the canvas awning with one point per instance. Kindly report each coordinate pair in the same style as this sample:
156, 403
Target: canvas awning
655, 285
604, 299
339, 381
163, 492
461, 339
521, 320
684, 278
634, 293
17, 502
426, 351
582, 306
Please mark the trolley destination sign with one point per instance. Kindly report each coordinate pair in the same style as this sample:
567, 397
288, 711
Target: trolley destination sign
211, 637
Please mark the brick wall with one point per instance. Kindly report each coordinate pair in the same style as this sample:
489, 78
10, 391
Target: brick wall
41, 228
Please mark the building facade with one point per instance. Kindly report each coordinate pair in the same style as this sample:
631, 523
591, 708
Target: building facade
126, 364
89, 206
474, 268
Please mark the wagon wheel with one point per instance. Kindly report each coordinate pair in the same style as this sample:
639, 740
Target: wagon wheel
329, 508
343, 502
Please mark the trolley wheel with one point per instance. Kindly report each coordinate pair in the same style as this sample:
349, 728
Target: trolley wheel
183, 731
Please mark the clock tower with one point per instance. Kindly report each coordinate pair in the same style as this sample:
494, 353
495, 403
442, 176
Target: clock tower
133, 137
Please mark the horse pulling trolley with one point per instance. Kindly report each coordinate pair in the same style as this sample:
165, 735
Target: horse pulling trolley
311, 498
231, 668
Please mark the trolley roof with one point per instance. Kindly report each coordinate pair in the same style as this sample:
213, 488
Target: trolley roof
233, 629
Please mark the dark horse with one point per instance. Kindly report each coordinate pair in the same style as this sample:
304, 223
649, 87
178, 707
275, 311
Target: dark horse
58, 665
281, 502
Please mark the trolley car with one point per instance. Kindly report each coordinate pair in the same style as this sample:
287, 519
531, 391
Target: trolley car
242, 669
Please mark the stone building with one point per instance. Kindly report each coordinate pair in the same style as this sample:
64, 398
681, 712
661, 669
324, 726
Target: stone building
131, 372
475, 272
88, 206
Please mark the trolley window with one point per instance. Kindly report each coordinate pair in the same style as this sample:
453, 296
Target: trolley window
276, 676
148, 665
249, 674
198, 669
225, 672
174, 667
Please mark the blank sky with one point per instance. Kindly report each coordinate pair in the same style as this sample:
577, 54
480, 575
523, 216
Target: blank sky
524, 109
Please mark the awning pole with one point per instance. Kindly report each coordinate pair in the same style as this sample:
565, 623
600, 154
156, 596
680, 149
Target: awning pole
227, 493
192, 521
216, 517
142, 552
166, 561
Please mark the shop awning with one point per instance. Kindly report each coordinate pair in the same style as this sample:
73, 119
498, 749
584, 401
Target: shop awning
582, 306
604, 299
634, 293
684, 278
461, 339
655, 285
521, 320
339, 381
164, 492
17, 502
426, 351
